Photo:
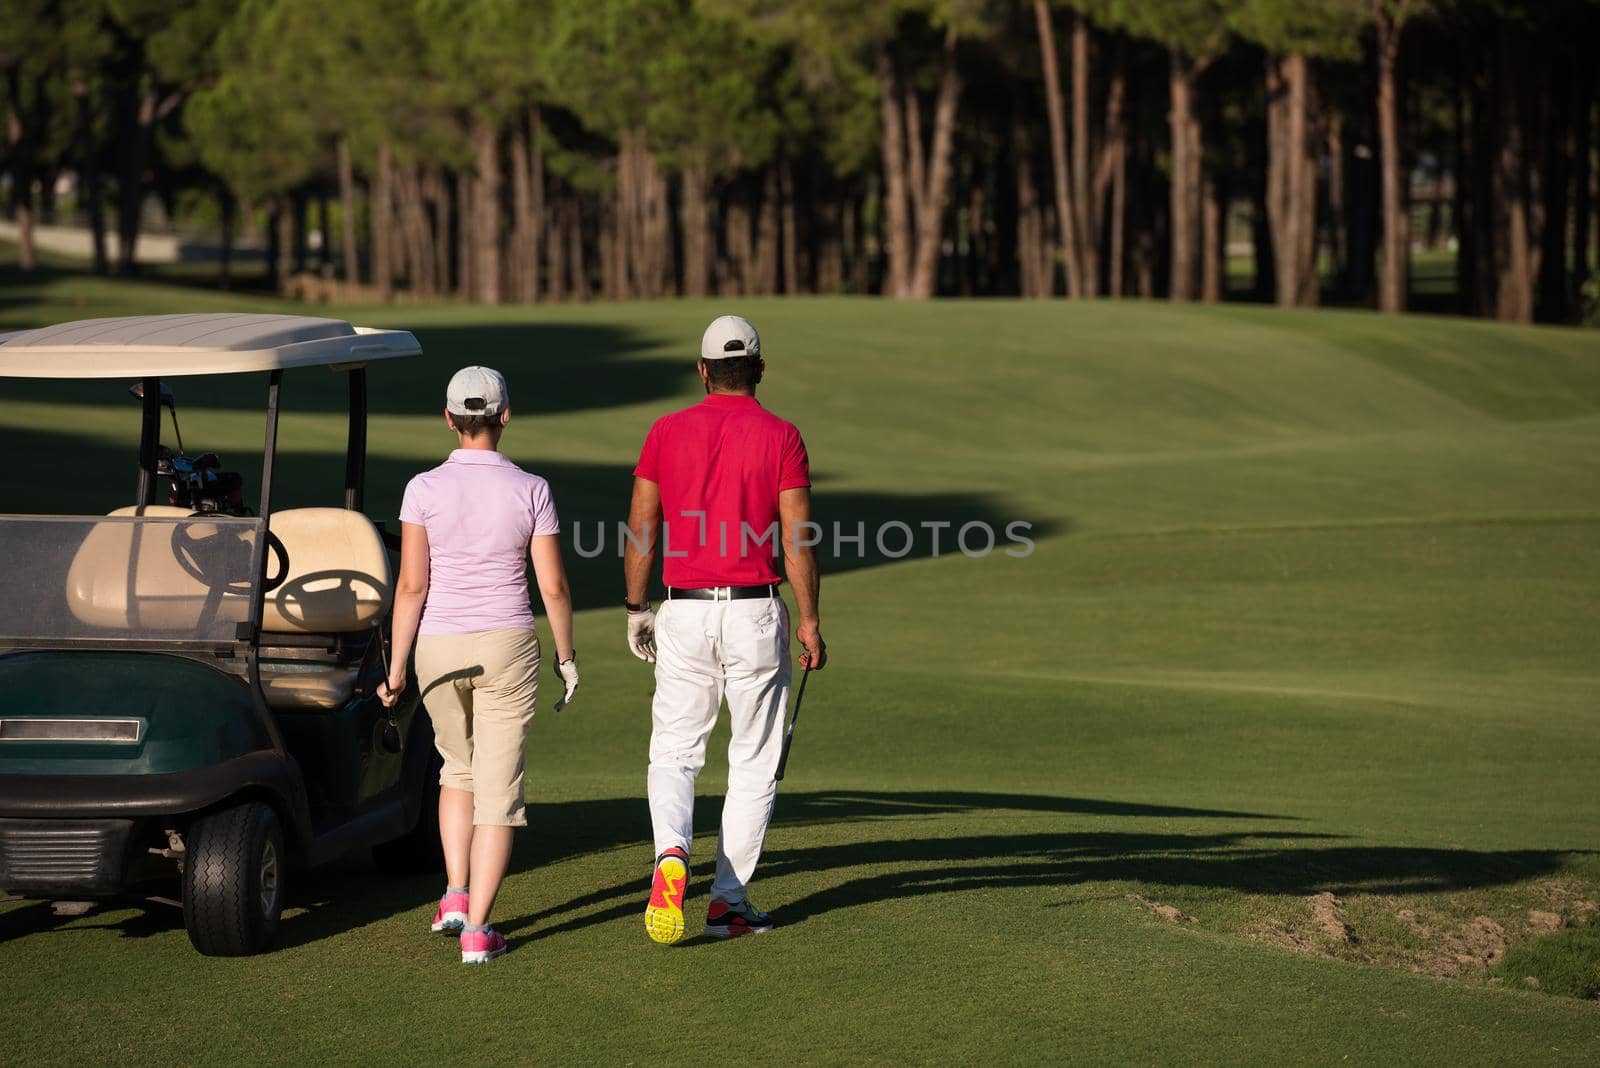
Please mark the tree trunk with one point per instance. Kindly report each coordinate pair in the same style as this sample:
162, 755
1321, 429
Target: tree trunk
1213, 241
924, 278
283, 228
436, 190
298, 205
896, 219
737, 270
556, 290
518, 269
1058, 148
829, 258
1582, 170
347, 214
655, 226
1111, 172
21, 153
1552, 178
135, 150
580, 272
380, 216
1117, 268
1336, 223
1185, 194
766, 259
149, 108
1396, 218
1085, 204
789, 231
465, 232
1516, 266
1028, 237
414, 231
1292, 184
89, 172
537, 224
695, 220
228, 209
324, 232
860, 253
485, 214
525, 255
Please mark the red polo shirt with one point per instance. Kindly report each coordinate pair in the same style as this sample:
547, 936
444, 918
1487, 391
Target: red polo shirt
729, 458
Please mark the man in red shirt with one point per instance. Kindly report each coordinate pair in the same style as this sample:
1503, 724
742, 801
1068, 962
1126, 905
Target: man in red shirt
724, 483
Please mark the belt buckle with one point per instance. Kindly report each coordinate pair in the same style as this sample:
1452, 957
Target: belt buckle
722, 593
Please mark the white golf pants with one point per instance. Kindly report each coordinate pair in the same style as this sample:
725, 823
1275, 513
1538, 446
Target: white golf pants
705, 651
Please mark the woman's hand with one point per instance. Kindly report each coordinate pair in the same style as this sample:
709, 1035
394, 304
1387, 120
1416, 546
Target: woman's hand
390, 689
568, 670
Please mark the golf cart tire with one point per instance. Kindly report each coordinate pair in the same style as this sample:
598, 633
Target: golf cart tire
418, 851
233, 872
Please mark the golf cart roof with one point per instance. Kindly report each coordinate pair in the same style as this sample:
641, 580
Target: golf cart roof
160, 346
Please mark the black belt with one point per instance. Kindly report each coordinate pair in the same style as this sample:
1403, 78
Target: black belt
723, 593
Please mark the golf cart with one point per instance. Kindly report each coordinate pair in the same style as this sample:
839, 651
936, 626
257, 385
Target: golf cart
187, 685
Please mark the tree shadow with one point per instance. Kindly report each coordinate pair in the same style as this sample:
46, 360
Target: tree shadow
55, 471
1254, 860
1272, 859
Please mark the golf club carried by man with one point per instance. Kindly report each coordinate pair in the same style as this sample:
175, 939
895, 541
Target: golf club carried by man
718, 487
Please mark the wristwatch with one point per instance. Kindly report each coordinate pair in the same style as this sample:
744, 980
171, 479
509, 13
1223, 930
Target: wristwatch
645, 607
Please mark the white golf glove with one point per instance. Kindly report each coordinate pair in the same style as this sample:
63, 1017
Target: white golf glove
568, 670
642, 635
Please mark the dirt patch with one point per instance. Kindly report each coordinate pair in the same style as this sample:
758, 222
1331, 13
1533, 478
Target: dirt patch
1472, 947
1166, 912
1540, 920
1329, 914
1567, 901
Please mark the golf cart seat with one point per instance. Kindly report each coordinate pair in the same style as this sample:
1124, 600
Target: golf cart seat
337, 584
130, 577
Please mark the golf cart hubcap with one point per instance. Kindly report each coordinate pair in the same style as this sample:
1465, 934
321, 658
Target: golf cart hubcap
269, 878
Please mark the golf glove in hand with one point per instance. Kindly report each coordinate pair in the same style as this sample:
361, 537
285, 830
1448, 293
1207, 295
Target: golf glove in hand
642, 635
568, 670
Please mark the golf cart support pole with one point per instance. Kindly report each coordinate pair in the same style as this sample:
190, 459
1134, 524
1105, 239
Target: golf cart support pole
252, 649
149, 441
355, 453
269, 453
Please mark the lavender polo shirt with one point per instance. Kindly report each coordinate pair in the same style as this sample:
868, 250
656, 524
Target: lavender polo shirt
479, 510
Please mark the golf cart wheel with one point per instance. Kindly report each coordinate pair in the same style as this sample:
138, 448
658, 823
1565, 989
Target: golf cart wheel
418, 851
233, 873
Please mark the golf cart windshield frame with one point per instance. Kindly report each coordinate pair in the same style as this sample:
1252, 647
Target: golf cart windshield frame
355, 460
242, 645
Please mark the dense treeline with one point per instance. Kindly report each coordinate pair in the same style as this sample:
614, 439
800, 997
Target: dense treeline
549, 150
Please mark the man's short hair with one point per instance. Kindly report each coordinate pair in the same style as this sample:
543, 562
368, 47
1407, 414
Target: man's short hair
733, 372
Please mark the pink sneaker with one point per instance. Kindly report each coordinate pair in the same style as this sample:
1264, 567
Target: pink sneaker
452, 914
481, 947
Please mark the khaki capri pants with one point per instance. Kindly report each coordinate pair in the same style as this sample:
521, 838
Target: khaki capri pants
479, 690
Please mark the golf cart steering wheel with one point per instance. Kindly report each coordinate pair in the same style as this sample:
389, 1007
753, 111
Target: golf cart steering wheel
281, 556
199, 555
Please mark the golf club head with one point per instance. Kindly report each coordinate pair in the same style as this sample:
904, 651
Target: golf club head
168, 400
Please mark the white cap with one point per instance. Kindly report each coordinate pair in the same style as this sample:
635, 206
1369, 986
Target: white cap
476, 391
728, 336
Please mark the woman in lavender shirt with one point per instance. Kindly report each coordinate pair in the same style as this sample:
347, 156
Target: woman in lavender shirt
468, 529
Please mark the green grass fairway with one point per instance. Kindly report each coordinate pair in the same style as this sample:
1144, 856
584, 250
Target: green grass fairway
1285, 733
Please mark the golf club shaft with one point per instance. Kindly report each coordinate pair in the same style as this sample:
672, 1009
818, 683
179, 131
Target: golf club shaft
794, 717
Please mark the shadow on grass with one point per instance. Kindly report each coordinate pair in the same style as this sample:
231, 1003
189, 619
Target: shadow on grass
1254, 861
53, 471
884, 866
